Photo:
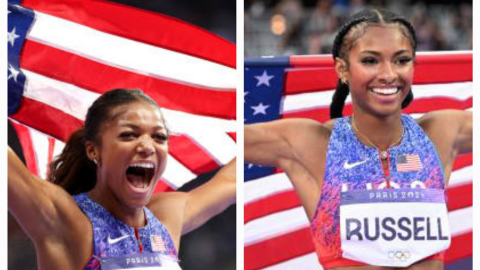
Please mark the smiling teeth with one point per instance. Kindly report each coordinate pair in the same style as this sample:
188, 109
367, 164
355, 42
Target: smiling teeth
385, 91
143, 165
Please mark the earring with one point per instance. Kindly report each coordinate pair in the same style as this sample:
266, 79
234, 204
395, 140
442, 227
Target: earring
95, 161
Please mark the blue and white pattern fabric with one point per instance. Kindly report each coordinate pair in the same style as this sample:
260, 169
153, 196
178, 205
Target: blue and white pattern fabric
354, 169
113, 239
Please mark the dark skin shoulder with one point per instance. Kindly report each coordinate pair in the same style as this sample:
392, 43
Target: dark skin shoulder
298, 146
451, 131
61, 232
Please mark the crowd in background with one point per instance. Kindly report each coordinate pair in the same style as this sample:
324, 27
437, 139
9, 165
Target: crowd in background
287, 27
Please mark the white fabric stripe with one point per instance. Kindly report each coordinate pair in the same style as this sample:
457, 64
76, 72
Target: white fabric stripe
63, 96
273, 225
258, 189
306, 101
219, 145
57, 150
40, 144
129, 54
461, 177
461, 221
76, 101
176, 175
444, 52
262, 188
287, 221
305, 262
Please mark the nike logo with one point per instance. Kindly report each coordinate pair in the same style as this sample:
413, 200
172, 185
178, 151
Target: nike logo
116, 240
348, 166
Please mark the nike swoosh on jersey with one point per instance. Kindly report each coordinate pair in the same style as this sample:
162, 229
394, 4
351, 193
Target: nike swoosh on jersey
116, 240
348, 166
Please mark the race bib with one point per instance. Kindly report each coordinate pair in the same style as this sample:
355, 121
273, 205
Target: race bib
393, 227
147, 261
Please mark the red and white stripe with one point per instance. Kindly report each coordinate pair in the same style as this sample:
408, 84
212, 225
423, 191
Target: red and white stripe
76, 50
276, 232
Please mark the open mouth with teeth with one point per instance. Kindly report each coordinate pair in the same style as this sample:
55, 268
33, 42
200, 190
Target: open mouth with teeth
386, 91
140, 175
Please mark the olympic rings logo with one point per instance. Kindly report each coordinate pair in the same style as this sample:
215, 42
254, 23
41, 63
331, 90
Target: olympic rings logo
399, 255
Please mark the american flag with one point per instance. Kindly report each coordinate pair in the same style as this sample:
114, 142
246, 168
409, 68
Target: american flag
63, 54
276, 232
157, 243
408, 163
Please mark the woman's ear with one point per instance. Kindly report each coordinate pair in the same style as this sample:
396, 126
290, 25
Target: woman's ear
341, 69
92, 150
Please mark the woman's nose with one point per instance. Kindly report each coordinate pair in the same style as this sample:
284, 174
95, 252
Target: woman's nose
145, 146
387, 73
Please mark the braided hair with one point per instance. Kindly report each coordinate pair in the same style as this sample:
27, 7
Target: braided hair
351, 31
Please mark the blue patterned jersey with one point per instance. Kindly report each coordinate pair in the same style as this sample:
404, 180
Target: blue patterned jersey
113, 238
351, 165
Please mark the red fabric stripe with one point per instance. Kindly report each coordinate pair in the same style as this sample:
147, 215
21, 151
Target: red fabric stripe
192, 156
298, 243
460, 197
316, 73
27, 146
162, 187
141, 25
46, 119
233, 135
310, 80
461, 247
278, 249
85, 73
424, 105
270, 205
462, 161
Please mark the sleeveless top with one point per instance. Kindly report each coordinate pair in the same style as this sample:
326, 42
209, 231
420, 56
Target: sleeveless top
352, 166
113, 238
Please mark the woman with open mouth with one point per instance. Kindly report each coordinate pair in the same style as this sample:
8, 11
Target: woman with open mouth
97, 210
373, 184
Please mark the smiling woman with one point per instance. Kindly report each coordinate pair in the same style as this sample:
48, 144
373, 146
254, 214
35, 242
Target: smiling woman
373, 184
105, 217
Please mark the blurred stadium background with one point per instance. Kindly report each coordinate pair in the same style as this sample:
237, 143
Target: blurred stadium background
288, 27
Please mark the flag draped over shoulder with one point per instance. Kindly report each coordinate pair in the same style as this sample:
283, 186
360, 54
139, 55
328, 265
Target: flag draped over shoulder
63, 54
276, 229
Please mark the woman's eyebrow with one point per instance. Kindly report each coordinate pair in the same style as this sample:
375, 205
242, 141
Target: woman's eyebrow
133, 126
378, 53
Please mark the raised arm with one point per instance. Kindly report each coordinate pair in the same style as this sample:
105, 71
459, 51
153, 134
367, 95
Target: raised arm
45, 211
464, 139
452, 127
276, 142
451, 133
182, 212
211, 198
298, 146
